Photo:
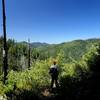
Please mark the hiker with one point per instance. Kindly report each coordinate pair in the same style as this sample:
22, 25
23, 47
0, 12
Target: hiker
53, 71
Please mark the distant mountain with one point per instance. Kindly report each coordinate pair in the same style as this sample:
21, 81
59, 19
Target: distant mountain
34, 44
39, 44
43, 45
74, 49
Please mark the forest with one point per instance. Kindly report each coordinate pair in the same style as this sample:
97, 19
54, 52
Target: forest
79, 72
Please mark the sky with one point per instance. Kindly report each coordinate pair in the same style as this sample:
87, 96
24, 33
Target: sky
51, 21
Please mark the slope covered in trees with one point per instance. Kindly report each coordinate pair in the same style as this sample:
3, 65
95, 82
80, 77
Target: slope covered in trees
78, 62
72, 50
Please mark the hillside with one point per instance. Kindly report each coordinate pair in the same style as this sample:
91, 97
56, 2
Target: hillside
74, 49
77, 81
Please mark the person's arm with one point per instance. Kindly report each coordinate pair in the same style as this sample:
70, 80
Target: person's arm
50, 70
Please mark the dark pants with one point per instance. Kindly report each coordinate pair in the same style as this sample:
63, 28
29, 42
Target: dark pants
54, 80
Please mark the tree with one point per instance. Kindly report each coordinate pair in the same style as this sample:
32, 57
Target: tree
5, 53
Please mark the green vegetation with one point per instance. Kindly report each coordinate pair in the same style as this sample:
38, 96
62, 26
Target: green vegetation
78, 62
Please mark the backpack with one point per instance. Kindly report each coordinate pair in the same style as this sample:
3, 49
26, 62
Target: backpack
53, 71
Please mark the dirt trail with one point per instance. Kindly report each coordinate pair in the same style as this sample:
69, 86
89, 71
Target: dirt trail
48, 94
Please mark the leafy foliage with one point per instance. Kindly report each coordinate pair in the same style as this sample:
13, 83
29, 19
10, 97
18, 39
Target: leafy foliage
78, 63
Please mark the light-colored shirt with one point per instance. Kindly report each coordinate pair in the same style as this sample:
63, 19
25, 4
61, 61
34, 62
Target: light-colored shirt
54, 66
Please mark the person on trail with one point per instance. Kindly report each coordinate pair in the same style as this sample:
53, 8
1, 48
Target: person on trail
53, 71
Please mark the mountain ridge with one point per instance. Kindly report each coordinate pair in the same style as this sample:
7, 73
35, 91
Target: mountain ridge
40, 44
